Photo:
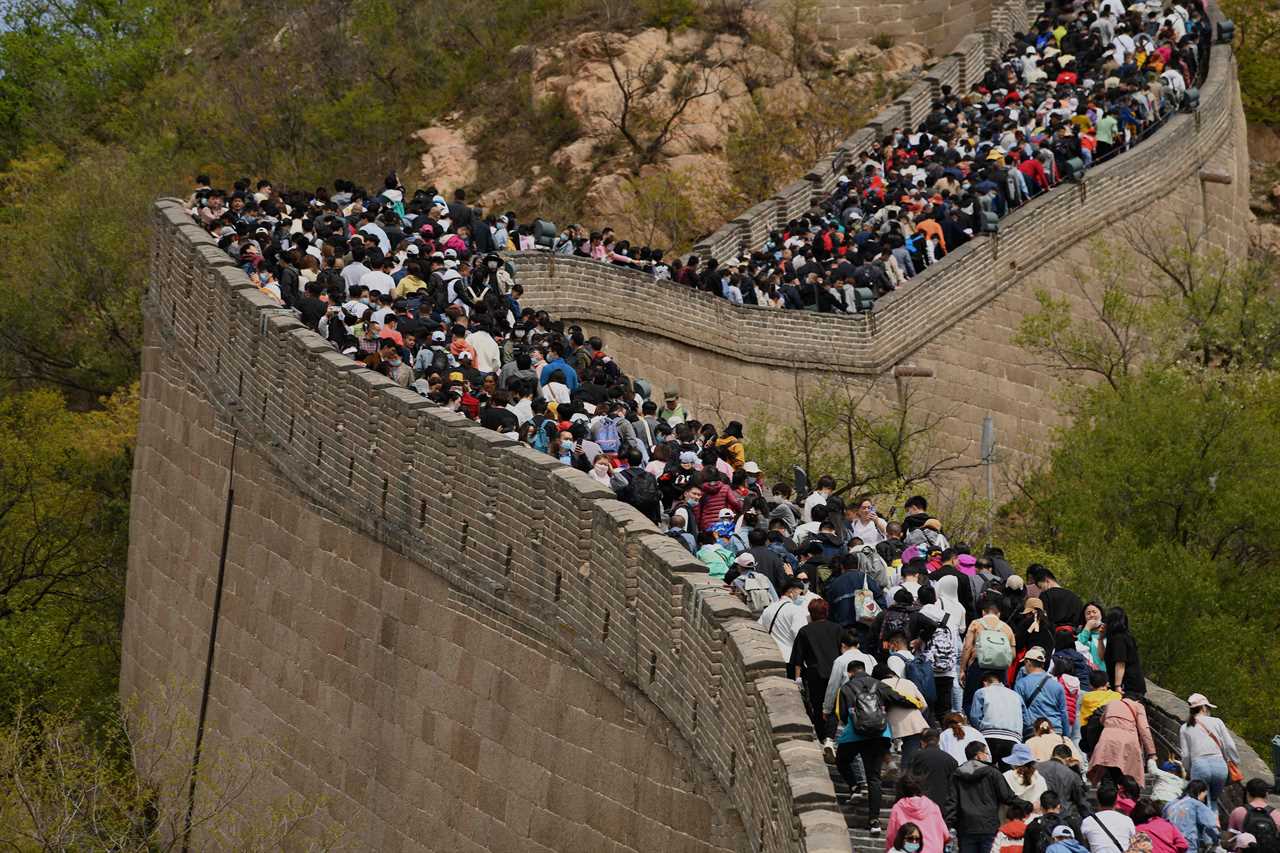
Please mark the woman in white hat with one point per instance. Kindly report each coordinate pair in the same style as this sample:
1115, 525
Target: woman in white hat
1207, 746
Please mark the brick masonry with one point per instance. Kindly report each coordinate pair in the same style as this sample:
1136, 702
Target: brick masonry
959, 319
454, 642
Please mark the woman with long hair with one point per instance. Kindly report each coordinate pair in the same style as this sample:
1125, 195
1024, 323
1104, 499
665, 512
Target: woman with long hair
1120, 654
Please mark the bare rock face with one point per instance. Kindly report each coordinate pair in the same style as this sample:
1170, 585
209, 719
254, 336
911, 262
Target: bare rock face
449, 161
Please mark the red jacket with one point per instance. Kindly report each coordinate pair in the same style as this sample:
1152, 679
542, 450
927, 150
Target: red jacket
716, 495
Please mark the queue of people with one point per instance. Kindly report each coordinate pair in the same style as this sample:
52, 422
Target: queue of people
1016, 718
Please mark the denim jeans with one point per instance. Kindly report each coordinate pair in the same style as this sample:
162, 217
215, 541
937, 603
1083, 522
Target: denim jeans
1212, 770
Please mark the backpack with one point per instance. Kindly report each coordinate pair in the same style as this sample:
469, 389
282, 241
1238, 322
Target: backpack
685, 538
643, 489
871, 564
540, 441
607, 436
862, 708
1091, 731
919, 671
993, 649
756, 591
1259, 823
942, 648
895, 622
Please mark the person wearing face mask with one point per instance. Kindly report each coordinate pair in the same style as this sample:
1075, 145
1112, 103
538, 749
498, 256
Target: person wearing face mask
388, 362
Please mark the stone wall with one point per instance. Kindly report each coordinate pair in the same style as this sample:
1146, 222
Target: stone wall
958, 319
970, 32
937, 24
454, 642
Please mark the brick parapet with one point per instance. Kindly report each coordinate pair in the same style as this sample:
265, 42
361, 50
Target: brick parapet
494, 519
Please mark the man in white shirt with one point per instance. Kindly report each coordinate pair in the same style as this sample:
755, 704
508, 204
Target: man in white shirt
379, 280
826, 485
784, 618
488, 357
1107, 830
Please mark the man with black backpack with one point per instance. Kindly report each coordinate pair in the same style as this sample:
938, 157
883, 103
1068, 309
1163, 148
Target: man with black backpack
641, 489
1257, 818
862, 707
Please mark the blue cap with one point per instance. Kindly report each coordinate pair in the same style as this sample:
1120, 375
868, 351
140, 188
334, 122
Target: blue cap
1020, 755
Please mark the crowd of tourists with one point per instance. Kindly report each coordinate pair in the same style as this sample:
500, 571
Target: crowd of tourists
1090, 79
1011, 706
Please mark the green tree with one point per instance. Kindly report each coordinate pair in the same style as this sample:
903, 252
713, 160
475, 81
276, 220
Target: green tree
63, 540
1159, 495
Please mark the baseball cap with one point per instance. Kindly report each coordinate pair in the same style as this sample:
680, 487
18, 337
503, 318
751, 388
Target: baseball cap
1063, 831
1035, 653
438, 337
745, 559
1198, 700
726, 513
688, 457
751, 468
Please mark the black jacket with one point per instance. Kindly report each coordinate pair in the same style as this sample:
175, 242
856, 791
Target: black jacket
1069, 787
978, 790
935, 768
816, 648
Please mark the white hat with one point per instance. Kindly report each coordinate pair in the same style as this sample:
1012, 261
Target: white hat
726, 513
751, 468
745, 559
1198, 700
1063, 831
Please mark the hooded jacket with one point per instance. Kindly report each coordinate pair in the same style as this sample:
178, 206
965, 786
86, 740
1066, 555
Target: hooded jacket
978, 790
924, 813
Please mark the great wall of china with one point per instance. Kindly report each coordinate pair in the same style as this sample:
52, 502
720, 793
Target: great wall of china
459, 644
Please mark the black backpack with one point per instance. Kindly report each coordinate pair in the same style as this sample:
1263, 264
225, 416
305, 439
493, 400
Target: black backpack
862, 708
1259, 823
643, 489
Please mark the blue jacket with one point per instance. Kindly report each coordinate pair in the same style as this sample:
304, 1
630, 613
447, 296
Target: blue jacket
1050, 703
570, 375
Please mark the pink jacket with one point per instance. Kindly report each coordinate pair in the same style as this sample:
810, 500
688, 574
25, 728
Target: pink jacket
924, 813
1165, 837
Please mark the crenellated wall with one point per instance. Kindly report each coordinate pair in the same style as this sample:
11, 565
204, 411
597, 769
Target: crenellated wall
455, 642
958, 319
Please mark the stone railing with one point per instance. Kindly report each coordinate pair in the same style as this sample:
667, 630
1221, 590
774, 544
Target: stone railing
510, 528
907, 319
1166, 713
960, 69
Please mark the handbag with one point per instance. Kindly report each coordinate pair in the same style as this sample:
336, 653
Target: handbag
1233, 769
864, 603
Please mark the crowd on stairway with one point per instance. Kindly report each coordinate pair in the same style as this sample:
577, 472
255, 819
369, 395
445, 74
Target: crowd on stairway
1088, 80
1011, 707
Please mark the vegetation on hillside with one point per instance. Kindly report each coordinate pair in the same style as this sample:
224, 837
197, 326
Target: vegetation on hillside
1159, 496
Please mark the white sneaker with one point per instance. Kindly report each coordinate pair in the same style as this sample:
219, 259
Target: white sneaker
829, 750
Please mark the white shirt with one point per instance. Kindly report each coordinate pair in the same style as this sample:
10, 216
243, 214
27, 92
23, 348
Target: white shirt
555, 392
1096, 837
868, 532
523, 410
804, 531
384, 242
815, 499
378, 281
791, 617
487, 354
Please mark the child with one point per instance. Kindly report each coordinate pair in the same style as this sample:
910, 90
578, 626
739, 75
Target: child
1009, 839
